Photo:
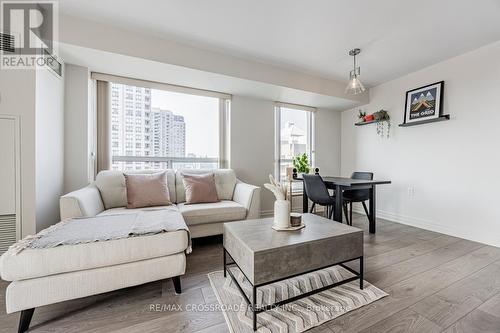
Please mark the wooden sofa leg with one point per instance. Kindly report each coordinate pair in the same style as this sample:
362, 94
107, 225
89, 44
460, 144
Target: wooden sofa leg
25, 320
177, 284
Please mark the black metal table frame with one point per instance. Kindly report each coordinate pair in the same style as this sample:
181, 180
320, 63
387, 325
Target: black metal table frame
253, 305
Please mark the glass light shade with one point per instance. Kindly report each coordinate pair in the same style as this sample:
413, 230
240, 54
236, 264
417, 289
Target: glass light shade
355, 86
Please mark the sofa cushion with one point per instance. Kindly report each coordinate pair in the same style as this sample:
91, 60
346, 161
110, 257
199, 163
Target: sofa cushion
33, 263
147, 190
225, 181
111, 185
222, 211
200, 188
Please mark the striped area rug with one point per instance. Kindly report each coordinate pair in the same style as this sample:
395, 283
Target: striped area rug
297, 316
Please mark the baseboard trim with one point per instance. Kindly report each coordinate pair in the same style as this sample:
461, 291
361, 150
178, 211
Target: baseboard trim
464, 233
266, 213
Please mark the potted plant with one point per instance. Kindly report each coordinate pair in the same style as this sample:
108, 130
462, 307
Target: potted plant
384, 123
361, 115
301, 163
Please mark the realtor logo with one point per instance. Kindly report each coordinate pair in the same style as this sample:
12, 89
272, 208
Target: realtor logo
31, 29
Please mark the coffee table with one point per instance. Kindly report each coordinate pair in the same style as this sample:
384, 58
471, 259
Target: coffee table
266, 256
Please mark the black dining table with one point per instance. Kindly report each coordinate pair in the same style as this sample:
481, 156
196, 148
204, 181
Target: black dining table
340, 184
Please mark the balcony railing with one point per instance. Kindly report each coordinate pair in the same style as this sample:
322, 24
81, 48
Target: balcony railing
164, 162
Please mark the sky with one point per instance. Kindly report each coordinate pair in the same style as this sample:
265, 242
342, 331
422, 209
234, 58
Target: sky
296, 116
201, 115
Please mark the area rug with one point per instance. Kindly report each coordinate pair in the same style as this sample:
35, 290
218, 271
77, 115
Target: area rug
297, 316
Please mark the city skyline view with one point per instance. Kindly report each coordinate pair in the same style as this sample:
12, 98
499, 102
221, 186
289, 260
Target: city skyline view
153, 123
201, 115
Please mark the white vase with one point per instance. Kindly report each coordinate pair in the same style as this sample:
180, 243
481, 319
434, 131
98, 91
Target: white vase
281, 214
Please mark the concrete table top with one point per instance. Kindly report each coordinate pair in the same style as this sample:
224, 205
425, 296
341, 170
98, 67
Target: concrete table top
265, 255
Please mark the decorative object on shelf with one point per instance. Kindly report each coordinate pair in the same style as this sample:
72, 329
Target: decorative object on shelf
361, 115
424, 105
301, 163
368, 118
281, 205
354, 86
381, 115
381, 118
383, 123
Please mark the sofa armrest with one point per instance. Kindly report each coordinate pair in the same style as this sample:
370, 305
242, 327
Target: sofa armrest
81, 203
248, 196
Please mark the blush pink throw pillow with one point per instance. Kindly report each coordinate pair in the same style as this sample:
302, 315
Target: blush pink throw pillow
200, 188
146, 190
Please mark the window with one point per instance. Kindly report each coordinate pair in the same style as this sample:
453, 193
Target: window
294, 136
183, 130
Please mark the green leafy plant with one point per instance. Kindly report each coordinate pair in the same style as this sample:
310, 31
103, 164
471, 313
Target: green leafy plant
301, 163
381, 115
383, 124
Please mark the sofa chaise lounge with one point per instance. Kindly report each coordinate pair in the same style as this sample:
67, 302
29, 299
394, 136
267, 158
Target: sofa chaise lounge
46, 276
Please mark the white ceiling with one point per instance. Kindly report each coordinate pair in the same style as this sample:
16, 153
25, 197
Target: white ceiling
396, 36
133, 67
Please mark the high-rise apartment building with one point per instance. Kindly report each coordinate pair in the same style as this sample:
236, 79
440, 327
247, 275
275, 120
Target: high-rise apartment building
169, 133
139, 130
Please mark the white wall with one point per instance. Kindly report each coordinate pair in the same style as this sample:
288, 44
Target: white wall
451, 165
252, 143
49, 146
328, 146
17, 97
76, 127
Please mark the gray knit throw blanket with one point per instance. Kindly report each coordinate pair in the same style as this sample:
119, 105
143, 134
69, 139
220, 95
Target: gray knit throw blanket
107, 227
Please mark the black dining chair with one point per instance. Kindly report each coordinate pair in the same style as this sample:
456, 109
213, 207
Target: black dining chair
358, 195
318, 193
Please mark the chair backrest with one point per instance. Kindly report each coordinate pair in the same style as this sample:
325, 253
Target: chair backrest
360, 194
316, 189
362, 175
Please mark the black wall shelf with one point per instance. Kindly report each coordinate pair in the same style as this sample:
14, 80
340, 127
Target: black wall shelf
362, 123
441, 118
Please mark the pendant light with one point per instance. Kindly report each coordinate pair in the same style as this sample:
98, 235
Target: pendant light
355, 86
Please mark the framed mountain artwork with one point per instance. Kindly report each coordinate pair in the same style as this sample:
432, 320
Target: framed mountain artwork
424, 103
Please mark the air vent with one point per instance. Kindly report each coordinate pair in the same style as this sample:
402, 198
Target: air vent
7, 231
7, 43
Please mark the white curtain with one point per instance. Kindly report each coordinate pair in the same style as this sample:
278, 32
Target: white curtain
103, 126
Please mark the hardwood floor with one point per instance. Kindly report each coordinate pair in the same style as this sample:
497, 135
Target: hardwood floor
436, 283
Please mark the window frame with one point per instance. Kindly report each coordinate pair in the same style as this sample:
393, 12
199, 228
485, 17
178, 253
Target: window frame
224, 99
311, 126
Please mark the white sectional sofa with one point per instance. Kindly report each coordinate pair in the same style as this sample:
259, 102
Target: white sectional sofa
46, 276
108, 195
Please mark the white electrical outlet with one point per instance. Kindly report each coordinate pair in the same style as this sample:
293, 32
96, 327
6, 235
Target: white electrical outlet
411, 192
